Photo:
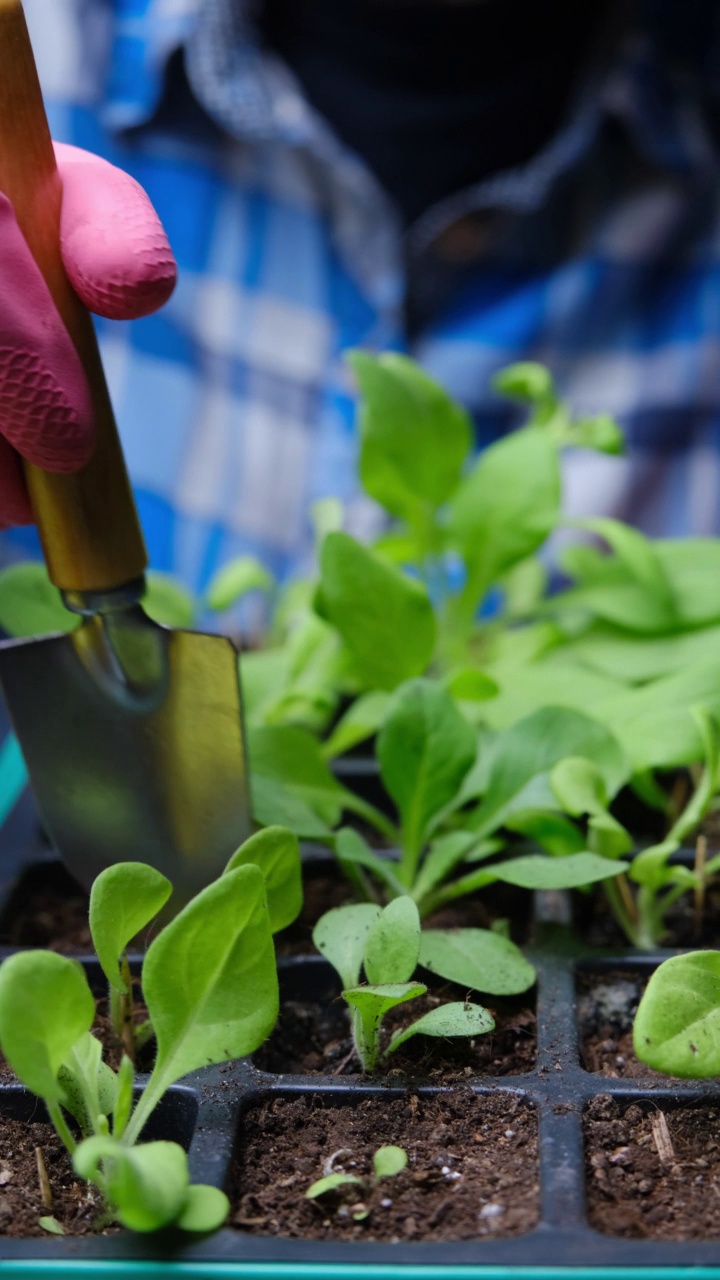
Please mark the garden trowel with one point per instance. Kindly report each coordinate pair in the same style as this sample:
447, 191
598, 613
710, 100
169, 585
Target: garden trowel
132, 733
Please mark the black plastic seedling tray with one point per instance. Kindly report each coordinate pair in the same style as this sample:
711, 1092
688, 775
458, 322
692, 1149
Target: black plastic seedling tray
206, 1112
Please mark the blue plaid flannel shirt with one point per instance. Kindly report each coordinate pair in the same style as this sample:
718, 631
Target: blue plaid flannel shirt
601, 258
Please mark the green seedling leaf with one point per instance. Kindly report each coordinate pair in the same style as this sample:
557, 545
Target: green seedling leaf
579, 786
470, 685
273, 804
276, 851
51, 1224
425, 749
638, 659
361, 721
392, 946
205, 1209
330, 1183
45, 1007
677, 1025
552, 831
167, 601
456, 1019
385, 618
89, 1085
340, 936
476, 958
209, 983
600, 432
538, 872
524, 756
525, 380
414, 438
146, 1186
654, 724
546, 682
388, 1161
442, 858
691, 566
123, 900
292, 757
29, 603
235, 580
124, 1096
506, 506
638, 557
353, 850
374, 1002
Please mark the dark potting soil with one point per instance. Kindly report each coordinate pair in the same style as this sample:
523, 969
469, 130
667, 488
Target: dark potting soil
313, 1037
472, 1168
607, 1004
73, 1202
652, 1172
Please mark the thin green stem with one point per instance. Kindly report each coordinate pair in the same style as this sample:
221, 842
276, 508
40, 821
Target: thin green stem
61, 1126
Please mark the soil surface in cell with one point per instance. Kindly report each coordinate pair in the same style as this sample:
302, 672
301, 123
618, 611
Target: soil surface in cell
71, 1202
651, 1172
314, 1038
472, 1168
607, 1004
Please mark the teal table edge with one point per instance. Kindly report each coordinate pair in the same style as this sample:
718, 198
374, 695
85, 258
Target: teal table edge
154, 1270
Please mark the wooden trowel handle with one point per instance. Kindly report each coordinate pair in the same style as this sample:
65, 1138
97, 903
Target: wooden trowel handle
87, 521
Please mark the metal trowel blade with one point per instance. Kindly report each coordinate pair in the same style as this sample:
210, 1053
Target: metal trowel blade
133, 739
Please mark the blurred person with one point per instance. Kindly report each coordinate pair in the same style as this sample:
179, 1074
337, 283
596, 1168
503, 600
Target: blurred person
471, 181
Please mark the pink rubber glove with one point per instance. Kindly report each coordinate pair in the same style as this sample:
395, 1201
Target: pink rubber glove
118, 260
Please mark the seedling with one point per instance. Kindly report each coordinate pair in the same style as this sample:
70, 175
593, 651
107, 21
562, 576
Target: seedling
210, 984
387, 1162
642, 902
677, 1025
126, 897
386, 944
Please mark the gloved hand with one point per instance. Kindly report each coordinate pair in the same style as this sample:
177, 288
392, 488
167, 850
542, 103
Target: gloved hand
118, 260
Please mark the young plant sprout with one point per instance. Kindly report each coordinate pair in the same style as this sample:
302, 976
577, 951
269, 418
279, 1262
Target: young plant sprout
641, 901
386, 944
209, 981
677, 1025
387, 1162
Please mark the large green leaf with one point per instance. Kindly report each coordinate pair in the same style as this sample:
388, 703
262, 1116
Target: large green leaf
459, 1018
476, 958
413, 437
385, 618
123, 900
506, 506
677, 1025
637, 659
210, 982
572, 872
425, 749
654, 723
276, 852
45, 1007
393, 943
340, 936
547, 682
523, 757
292, 757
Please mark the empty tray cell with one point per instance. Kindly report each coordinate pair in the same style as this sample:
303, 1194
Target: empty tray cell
472, 1166
653, 1167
